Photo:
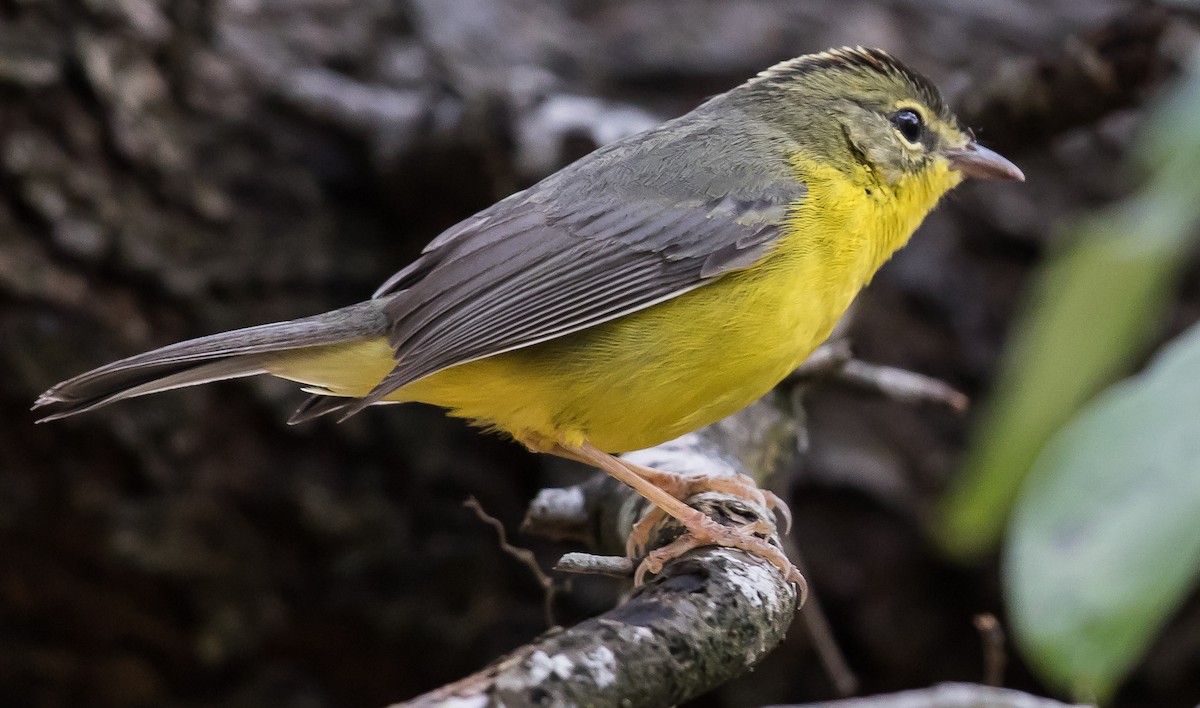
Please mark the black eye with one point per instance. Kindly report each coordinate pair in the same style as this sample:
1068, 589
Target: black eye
908, 122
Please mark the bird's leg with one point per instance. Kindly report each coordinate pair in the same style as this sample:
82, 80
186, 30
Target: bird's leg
639, 535
701, 530
678, 486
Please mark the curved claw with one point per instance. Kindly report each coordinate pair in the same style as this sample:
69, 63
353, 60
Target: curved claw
801, 586
774, 503
639, 535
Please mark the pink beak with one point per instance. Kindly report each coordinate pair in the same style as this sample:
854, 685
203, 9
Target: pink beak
976, 161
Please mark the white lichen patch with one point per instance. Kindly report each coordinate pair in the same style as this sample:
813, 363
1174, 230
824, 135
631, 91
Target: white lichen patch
542, 666
758, 583
754, 581
537, 668
567, 502
633, 633
601, 665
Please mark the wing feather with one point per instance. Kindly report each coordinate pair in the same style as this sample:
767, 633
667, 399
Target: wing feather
566, 255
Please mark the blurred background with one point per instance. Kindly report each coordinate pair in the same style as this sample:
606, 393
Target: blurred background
172, 169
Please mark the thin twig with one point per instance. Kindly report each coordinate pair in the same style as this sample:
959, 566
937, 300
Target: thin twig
826, 359
901, 385
834, 363
813, 619
994, 658
524, 555
816, 624
592, 564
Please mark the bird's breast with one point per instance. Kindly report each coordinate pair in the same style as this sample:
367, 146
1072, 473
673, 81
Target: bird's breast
653, 375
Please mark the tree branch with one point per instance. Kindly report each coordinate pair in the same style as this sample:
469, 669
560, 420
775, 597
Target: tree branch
712, 614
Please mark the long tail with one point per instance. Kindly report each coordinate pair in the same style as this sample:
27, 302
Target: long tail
228, 355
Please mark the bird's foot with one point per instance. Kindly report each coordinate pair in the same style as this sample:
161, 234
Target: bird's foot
701, 530
684, 487
751, 538
666, 490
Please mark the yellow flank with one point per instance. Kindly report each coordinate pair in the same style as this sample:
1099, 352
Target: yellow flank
653, 375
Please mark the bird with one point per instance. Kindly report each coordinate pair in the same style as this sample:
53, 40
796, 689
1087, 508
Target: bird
650, 288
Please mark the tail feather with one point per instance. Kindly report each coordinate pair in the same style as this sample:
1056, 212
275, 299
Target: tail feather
227, 355
318, 405
118, 386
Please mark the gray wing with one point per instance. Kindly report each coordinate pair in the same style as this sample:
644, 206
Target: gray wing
567, 254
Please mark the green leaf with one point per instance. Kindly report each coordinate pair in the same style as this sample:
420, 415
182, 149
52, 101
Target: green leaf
1094, 312
1096, 309
1105, 538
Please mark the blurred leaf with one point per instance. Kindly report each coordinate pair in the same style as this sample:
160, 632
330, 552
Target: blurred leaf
1105, 539
1093, 313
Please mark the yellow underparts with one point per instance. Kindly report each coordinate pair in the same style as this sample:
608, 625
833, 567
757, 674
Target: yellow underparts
653, 375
